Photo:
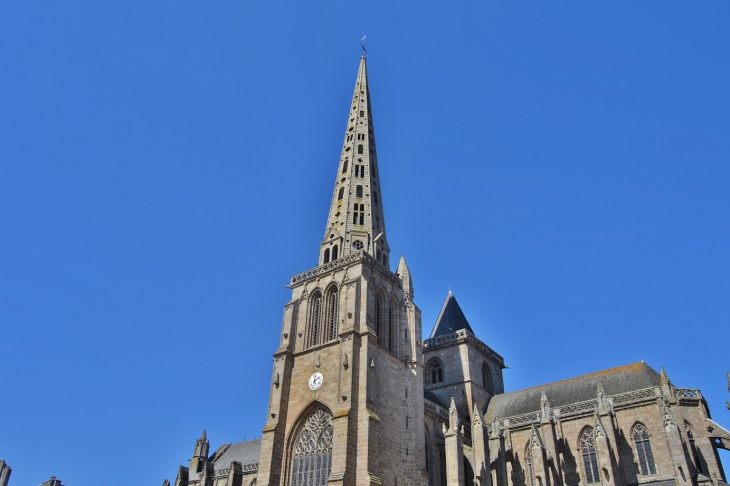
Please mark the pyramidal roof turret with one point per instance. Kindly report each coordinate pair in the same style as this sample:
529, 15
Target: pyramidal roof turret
356, 220
451, 318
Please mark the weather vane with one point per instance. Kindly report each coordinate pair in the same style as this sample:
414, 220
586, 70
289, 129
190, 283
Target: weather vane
364, 51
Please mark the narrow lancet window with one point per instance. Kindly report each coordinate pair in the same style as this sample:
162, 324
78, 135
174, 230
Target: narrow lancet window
332, 313
314, 327
344, 166
341, 194
358, 191
487, 378
334, 252
643, 450
588, 451
326, 255
360, 149
381, 320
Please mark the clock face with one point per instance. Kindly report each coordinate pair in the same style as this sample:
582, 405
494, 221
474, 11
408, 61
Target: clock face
315, 381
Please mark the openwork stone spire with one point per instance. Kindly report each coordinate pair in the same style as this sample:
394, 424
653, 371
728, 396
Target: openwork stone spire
356, 220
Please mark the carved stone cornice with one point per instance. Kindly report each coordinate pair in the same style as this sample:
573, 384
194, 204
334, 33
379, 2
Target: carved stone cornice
352, 258
462, 335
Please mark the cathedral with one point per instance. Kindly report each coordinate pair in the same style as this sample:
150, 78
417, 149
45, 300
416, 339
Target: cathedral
358, 397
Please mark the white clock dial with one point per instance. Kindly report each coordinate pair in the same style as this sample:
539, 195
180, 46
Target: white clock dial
315, 381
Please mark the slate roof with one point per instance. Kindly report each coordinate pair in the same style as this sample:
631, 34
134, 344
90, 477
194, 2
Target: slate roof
450, 319
432, 397
244, 452
614, 381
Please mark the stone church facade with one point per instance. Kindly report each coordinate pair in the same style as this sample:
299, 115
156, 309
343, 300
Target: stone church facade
359, 398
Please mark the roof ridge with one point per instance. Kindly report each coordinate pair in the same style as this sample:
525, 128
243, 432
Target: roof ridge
607, 371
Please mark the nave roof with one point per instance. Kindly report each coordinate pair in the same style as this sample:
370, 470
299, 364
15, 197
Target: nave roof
247, 452
622, 379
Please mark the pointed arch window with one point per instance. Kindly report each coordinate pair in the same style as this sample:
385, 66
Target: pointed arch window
326, 255
332, 313
312, 451
344, 166
341, 194
588, 451
696, 456
487, 378
359, 149
334, 252
314, 324
381, 320
643, 450
434, 372
528, 460
358, 191
392, 327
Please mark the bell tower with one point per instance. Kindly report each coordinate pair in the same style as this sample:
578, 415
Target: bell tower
346, 400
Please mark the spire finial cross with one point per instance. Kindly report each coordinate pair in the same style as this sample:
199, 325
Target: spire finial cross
362, 44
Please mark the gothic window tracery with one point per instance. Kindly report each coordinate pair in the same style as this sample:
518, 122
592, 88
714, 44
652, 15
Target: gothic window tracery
315, 320
588, 451
332, 313
435, 372
487, 378
312, 451
694, 450
643, 450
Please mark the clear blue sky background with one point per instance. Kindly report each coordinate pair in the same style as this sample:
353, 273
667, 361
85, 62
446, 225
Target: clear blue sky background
165, 167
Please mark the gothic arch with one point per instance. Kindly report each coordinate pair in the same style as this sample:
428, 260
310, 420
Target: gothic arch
589, 458
487, 378
314, 319
640, 437
434, 372
394, 337
309, 447
381, 318
694, 451
331, 312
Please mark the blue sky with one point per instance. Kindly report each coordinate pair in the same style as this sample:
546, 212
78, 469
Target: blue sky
165, 167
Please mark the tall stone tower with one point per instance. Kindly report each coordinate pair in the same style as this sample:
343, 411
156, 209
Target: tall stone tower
346, 401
